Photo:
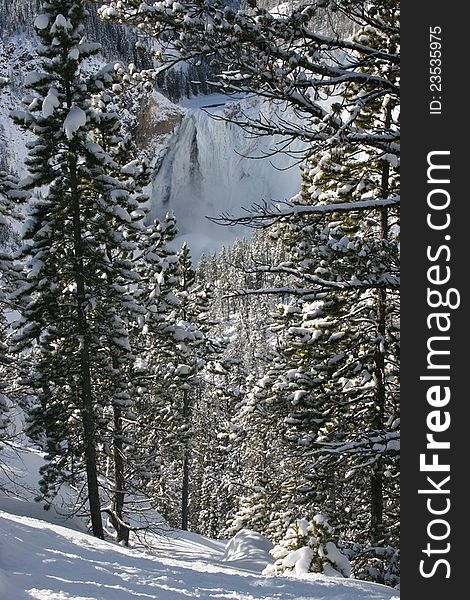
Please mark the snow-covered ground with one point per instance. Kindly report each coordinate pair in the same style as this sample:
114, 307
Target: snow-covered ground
46, 555
49, 562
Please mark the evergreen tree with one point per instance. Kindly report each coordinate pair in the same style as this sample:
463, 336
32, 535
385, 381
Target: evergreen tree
263, 471
154, 341
80, 242
218, 478
10, 197
188, 362
4, 412
179, 347
309, 546
360, 435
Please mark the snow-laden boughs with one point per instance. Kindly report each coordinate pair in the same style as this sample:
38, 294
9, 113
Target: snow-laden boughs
333, 386
269, 473
76, 298
380, 563
280, 56
341, 349
309, 546
176, 347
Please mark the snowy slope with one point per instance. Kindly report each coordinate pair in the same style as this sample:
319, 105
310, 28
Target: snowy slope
19, 476
49, 556
48, 562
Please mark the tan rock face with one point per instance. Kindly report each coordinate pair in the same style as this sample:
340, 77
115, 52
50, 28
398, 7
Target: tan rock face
155, 122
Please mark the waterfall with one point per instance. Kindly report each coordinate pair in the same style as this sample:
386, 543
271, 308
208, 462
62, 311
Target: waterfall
206, 171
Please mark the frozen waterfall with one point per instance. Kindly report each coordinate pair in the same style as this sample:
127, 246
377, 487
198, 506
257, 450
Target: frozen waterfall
206, 171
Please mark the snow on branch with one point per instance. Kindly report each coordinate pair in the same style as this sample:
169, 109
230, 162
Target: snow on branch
388, 281
260, 216
377, 444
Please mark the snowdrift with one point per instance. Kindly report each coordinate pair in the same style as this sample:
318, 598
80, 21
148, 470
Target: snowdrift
248, 548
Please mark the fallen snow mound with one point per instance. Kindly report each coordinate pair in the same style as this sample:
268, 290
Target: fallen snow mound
248, 546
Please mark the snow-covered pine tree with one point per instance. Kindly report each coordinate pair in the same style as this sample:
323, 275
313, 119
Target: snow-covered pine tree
341, 350
188, 360
265, 471
123, 213
219, 470
10, 197
309, 547
364, 248
177, 335
153, 340
78, 253
245, 461
4, 406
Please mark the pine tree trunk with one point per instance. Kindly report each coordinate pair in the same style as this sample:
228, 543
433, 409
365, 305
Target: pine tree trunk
119, 493
185, 492
185, 484
122, 528
376, 488
376, 484
87, 413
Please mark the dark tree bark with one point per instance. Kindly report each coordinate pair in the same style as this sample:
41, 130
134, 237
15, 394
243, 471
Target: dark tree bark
87, 412
185, 484
121, 527
376, 493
